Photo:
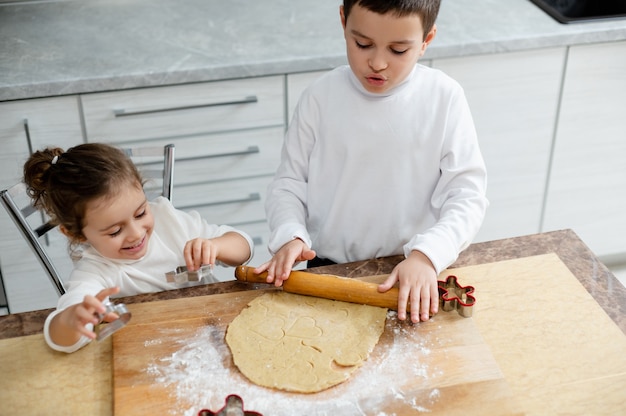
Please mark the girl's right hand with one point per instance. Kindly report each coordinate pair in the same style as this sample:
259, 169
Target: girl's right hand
67, 327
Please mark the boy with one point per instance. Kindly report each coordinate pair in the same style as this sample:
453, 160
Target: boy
381, 158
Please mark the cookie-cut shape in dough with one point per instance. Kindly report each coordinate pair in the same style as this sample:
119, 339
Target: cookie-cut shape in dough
301, 343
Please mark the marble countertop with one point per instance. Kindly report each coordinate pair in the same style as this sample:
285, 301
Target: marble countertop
603, 286
61, 47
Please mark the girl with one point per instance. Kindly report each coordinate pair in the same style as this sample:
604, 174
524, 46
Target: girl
122, 244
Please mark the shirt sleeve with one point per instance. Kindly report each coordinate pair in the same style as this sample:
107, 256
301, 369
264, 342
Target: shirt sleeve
460, 192
287, 194
79, 285
67, 349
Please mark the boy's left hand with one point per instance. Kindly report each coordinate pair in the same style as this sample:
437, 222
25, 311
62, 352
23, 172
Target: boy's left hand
418, 284
200, 251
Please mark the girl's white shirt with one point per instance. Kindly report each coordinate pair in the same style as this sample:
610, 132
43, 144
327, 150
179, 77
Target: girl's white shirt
93, 272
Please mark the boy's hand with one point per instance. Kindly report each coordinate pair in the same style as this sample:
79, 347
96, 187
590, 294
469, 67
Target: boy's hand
418, 284
279, 267
200, 251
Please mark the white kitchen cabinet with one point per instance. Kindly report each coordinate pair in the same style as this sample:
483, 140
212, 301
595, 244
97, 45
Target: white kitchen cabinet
178, 111
587, 188
227, 134
514, 100
27, 126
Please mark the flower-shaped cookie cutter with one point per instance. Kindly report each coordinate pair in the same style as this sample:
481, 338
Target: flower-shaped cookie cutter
182, 275
233, 407
454, 296
123, 318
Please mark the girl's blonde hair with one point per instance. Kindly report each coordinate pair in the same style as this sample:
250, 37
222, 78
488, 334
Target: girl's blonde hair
62, 183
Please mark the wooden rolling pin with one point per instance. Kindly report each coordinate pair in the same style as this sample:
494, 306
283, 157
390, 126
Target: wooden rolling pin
328, 286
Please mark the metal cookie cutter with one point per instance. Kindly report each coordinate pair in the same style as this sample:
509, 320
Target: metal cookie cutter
121, 311
233, 407
182, 275
454, 296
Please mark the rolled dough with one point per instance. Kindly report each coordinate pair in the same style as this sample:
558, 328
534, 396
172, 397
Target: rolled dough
301, 343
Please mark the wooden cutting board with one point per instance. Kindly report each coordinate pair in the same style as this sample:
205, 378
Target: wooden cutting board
172, 359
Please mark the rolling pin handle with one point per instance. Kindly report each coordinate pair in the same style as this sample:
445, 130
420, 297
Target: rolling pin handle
246, 274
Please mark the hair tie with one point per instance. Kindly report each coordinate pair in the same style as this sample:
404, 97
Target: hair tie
55, 159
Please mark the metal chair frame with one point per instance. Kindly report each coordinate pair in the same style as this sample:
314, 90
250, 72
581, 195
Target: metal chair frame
159, 155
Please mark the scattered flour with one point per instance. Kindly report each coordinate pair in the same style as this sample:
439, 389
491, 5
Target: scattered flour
200, 372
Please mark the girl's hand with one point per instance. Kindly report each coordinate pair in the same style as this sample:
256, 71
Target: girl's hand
200, 251
231, 248
418, 285
279, 267
67, 327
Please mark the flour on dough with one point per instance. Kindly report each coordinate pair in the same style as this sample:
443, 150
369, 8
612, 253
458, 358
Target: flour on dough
301, 343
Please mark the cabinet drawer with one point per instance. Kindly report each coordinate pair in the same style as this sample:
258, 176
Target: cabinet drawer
224, 156
32, 125
185, 109
227, 202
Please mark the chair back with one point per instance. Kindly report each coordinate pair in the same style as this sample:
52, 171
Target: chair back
155, 163
17, 203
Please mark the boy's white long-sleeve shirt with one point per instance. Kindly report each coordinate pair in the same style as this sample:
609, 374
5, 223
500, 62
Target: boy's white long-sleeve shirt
93, 272
366, 175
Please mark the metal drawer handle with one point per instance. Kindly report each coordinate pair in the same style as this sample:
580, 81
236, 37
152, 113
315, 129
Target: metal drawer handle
255, 196
125, 113
249, 151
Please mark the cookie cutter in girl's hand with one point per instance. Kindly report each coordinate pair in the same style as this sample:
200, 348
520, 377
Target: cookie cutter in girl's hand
182, 275
123, 318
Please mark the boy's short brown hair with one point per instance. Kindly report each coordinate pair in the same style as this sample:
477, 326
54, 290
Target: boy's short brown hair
426, 9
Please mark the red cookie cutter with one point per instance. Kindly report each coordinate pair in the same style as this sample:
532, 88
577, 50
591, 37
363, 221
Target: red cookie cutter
454, 296
233, 406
